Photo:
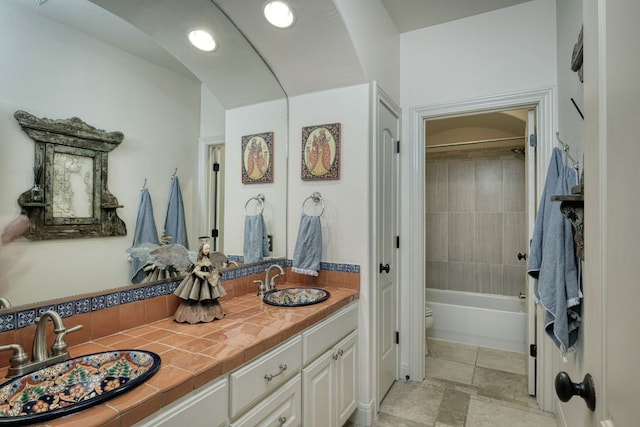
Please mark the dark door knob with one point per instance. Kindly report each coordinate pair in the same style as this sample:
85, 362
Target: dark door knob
565, 389
522, 256
384, 268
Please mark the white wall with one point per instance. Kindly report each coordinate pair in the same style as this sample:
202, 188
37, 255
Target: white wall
377, 42
503, 51
259, 118
54, 71
346, 219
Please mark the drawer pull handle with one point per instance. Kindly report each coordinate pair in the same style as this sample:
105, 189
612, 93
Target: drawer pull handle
282, 421
269, 377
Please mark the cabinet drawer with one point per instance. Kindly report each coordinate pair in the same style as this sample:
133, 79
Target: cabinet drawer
321, 337
204, 407
280, 409
265, 374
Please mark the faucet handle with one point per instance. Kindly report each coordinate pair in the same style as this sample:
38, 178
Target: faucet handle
18, 358
272, 283
262, 288
59, 345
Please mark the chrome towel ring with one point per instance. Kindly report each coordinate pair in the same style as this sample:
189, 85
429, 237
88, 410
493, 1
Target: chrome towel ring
317, 199
260, 202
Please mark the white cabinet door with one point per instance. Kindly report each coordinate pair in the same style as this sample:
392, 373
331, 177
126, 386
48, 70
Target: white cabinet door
346, 378
329, 385
318, 383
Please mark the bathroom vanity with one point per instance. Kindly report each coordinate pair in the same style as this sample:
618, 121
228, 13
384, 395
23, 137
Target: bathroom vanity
310, 380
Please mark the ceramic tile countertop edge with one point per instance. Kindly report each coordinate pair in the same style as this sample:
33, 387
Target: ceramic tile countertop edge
193, 355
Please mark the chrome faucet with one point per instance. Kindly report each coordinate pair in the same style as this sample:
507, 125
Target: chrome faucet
271, 283
19, 362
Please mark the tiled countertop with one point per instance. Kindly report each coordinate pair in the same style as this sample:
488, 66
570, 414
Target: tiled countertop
193, 355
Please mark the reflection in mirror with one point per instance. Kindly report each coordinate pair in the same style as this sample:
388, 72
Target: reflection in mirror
71, 160
77, 59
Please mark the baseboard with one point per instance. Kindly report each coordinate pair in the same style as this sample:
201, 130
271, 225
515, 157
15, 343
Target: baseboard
364, 414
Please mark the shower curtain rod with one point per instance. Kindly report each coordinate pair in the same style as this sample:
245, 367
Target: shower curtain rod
479, 141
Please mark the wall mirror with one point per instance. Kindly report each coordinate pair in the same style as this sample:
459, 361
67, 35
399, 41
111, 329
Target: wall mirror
119, 65
70, 198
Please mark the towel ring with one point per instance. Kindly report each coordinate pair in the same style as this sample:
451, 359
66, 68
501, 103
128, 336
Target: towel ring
260, 199
317, 198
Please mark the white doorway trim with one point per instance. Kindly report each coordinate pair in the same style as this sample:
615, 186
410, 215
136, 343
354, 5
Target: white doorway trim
412, 287
203, 217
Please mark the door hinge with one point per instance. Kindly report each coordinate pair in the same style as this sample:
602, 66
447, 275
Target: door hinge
397, 337
533, 350
216, 167
533, 140
398, 146
397, 242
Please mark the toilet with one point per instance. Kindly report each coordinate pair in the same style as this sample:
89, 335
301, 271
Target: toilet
428, 317
428, 322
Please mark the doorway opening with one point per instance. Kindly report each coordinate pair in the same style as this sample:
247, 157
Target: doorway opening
540, 137
476, 233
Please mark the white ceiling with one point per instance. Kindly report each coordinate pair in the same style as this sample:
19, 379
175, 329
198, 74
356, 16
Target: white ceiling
409, 15
232, 73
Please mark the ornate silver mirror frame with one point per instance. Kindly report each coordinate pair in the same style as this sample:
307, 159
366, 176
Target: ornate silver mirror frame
70, 198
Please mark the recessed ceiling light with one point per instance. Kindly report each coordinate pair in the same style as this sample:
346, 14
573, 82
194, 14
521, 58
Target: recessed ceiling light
202, 40
279, 14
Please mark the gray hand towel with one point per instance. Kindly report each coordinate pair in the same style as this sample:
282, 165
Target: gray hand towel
145, 233
306, 256
174, 224
256, 242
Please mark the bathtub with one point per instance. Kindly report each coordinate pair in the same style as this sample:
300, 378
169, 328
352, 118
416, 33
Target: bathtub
480, 319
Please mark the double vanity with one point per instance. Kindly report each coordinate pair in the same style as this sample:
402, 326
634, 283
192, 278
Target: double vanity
260, 365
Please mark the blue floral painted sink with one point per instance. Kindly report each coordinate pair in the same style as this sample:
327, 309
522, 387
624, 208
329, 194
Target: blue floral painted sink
295, 297
73, 385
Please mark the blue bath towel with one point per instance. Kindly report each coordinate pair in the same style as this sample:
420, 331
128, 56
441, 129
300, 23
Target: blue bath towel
145, 233
553, 260
174, 224
306, 256
256, 242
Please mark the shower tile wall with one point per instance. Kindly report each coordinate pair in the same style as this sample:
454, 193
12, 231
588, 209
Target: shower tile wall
475, 221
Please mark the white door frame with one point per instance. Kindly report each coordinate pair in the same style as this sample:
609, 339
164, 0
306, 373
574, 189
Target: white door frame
203, 217
412, 289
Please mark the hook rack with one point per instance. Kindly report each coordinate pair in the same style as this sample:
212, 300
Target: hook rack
565, 151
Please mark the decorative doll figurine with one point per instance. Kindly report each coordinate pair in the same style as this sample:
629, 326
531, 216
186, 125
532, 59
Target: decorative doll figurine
200, 291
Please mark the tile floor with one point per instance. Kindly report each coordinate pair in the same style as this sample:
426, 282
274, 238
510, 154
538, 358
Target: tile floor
467, 386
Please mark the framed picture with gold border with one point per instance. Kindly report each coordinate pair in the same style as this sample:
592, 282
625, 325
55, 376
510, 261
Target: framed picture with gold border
257, 158
321, 152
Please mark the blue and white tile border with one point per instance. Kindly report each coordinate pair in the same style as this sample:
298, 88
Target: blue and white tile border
22, 318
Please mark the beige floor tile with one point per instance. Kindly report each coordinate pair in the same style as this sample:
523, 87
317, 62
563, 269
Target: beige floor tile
449, 370
416, 402
386, 420
484, 414
447, 350
501, 360
499, 384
